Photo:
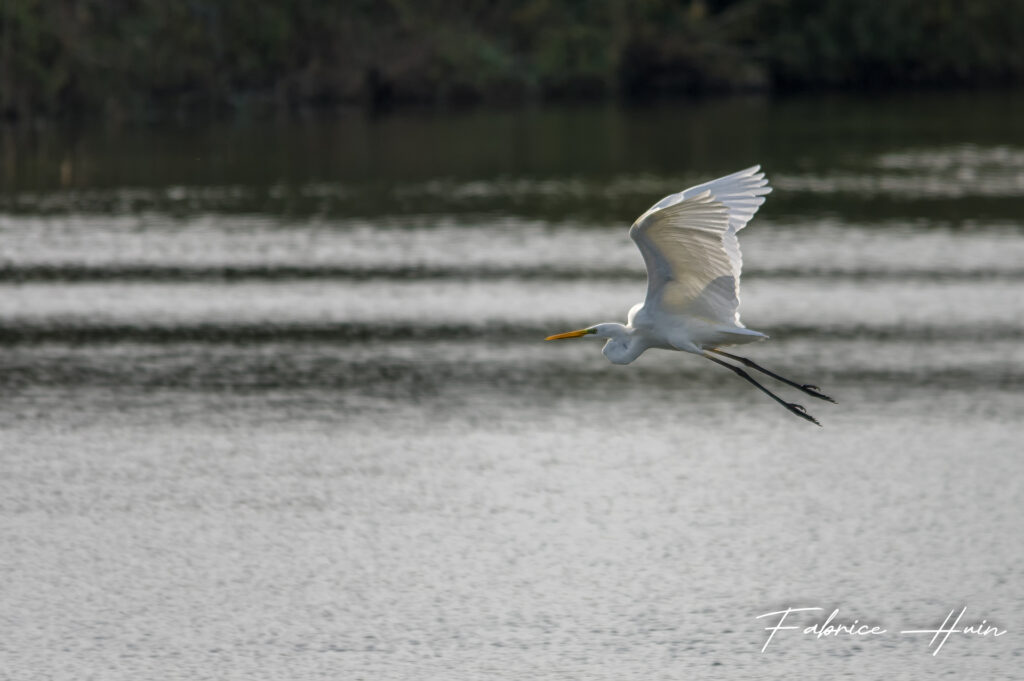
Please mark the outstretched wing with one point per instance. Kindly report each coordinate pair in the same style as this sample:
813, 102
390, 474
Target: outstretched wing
688, 241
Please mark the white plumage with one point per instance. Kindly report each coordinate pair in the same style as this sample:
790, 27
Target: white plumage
690, 247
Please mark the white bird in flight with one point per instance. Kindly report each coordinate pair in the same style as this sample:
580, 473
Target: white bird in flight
688, 241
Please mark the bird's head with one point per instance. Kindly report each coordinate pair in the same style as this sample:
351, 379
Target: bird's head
621, 347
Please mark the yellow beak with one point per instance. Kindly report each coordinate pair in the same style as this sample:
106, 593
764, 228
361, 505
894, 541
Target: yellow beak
569, 334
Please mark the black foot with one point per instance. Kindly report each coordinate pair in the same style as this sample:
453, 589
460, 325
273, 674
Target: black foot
815, 391
812, 390
797, 409
800, 411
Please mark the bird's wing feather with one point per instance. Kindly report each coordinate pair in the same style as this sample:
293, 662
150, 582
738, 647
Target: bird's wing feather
688, 241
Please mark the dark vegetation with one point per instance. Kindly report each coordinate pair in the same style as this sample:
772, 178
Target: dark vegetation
145, 59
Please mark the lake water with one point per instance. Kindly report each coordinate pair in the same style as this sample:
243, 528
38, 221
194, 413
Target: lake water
275, 403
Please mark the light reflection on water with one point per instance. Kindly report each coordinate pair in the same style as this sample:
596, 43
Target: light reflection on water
478, 245
353, 455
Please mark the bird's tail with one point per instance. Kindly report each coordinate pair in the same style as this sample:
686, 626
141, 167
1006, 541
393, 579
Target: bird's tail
738, 335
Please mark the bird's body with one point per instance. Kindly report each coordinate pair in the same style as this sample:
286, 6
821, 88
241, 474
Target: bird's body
689, 244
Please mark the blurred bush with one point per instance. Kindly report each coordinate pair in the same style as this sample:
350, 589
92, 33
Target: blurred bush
139, 59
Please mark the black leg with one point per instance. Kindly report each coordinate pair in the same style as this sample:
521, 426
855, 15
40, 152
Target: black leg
794, 408
812, 390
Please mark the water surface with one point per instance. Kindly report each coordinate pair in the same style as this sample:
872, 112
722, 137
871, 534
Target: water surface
275, 403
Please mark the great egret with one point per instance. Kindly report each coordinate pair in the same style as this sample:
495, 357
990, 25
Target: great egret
688, 241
